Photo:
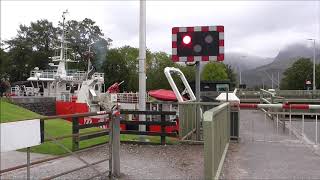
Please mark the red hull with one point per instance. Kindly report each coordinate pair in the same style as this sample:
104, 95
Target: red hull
63, 108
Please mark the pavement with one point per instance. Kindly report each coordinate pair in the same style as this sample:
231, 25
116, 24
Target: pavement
136, 161
267, 151
15, 158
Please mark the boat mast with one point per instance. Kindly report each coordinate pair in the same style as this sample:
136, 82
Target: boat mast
61, 71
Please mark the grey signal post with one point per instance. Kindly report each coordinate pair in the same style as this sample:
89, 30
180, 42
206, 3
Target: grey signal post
194, 45
197, 85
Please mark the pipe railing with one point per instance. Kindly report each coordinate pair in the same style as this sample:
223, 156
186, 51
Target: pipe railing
216, 129
114, 145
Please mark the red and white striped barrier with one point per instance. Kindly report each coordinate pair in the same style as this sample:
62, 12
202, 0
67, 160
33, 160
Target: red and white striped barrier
278, 106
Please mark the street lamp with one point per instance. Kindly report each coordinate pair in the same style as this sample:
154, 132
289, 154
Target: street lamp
314, 63
240, 71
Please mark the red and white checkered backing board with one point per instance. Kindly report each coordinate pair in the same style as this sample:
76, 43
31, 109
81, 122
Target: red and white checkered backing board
176, 58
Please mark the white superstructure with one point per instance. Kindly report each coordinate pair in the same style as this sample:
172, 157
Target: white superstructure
61, 82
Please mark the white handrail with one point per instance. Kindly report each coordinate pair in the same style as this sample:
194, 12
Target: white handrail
167, 72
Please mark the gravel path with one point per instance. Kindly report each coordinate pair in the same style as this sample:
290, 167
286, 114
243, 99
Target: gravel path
137, 162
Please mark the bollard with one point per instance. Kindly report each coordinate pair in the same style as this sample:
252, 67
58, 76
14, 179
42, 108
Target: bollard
316, 130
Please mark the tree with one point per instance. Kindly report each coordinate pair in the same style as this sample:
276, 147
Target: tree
4, 64
115, 68
214, 71
318, 76
34, 44
296, 75
231, 76
30, 48
39, 38
156, 77
81, 35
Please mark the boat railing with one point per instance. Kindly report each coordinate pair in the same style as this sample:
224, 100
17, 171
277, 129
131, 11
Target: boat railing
98, 75
43, 74
130, 97
127, 97
77, 75
24, 91
74, 74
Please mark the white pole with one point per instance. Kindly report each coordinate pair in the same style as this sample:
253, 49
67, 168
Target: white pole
314, 64
142, 57
278, 80
272, 81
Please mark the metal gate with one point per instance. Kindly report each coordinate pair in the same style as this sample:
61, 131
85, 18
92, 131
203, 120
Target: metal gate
112, 156
266, 125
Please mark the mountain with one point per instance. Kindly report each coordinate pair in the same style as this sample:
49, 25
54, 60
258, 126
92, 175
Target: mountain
243, 61
285, 58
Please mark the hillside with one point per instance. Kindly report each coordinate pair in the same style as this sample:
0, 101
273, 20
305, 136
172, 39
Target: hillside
285, 58
245, 61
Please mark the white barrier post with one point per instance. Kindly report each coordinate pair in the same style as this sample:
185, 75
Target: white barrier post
316, 129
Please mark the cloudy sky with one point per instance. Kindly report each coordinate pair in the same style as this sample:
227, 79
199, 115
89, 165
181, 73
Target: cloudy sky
255, 27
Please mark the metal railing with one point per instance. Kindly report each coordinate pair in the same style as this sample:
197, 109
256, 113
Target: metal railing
285, 93
299, 93
128, 97
75, 74
303, 125
188, 122
114, 147
216, 127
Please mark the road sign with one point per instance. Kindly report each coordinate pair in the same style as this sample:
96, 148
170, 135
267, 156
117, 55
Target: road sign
199, 43
20, 134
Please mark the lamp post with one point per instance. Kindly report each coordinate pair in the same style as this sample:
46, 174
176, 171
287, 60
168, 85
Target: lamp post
240, 71
314, 63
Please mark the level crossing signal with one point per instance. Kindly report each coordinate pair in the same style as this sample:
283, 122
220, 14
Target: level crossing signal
198, 43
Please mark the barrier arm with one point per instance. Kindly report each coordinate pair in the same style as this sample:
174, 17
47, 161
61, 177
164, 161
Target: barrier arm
170, 70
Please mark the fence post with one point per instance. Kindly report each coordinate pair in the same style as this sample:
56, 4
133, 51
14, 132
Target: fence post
163, 129
28, 163
42, 130
110, 145
209, 149
75, 130
115, 146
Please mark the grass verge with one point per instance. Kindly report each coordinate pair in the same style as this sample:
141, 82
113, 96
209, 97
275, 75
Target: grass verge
60, 127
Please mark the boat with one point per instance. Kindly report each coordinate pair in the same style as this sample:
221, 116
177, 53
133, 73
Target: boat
84, 91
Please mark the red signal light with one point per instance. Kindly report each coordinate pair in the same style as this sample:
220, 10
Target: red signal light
186, 39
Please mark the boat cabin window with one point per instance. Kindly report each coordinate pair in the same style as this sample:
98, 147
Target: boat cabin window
35, 84
76, 86
68, 86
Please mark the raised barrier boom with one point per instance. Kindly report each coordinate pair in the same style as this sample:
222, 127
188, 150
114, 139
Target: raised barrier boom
278, 106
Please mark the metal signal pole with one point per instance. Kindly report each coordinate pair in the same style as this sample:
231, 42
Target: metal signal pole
198, 95
142, 58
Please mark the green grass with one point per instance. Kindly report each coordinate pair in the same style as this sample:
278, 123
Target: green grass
10, 112
60, 127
